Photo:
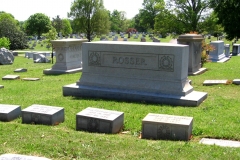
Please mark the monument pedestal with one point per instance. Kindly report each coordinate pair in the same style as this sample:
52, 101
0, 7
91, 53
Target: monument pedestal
68, 56
135, 71
195, 50
218, 55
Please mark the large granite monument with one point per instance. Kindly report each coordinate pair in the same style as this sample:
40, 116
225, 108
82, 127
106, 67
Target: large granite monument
195, 49
68, 56
218, 55
135, 71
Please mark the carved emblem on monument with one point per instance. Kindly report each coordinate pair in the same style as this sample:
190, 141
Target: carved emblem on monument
166, 63
94, 58
93, 125
164, 132
60, 57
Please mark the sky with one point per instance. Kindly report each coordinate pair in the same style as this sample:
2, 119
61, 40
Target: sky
23, 9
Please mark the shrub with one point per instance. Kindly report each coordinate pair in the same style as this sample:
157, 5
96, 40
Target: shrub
5, 42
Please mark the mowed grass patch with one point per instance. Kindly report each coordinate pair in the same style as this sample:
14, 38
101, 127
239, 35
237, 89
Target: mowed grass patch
216, 117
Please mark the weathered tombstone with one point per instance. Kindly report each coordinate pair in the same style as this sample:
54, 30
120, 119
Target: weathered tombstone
1, 86
155, 40
30, 79
9, 112
135, 37
40, 58
15, 53
135, 71
68, 56
115, 38
20, 70
143, 39
217, 55
214, 82
220, 142
125, 39
168, 127
20, 157
227, 50
195, 50
6, 56
10, 77
99, 120
30, 55
235, 49
42, 114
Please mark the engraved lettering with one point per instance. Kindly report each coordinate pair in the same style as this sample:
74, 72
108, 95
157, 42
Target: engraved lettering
126, 60
114, 59
129, 60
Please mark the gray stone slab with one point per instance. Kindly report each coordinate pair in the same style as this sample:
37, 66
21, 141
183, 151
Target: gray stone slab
11, 77
1, 86
20, 70
20, 157
30, 79
214, 82
9, 112
168, 127
42, 114
220, 142
236, 81
99, 120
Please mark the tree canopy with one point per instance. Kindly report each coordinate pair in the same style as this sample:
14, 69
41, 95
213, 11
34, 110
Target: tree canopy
37, 24
66, 27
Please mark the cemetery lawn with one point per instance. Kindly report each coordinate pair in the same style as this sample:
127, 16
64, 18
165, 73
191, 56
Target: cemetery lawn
217, 117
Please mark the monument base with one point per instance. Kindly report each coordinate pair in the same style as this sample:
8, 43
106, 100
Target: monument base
192, 99
200, 71
58, 72
225, 59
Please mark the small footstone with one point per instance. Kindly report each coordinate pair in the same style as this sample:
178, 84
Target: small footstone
99, 120
20, 157
41, 114
236, 81
20, 70
30, 79
10, 77
1, 86
220, 142
214, 82
9, 112
168, 127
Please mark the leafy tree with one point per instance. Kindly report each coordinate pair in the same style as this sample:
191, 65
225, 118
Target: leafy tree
9, 28
84, 12
50, 35
115, 19
189, 12
4, 42
99, 18
138, 22
57, 23
37, 24
66, 27
228, 13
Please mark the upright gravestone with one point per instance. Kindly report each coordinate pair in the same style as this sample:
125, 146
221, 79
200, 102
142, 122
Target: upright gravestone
217, 55
169, 127
195, 50
99, 120
135, 71
42, 114
227, 50
9, 112
68, 56
235, 49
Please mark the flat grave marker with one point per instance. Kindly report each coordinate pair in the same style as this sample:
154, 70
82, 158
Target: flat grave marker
214, 82
220, 142
168, 127
20, 70
99, 120
20, 157
11, 77
42, 114
9, 112
30, 79
236, 81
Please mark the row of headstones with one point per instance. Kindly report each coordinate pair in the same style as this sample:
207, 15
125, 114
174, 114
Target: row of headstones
39, 57
143, 39
154, 126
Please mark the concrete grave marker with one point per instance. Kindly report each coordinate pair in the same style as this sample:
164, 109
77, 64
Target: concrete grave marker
1, 86
11, 77
169, 127
30, 79
214, 82
99, 120
220, 142
20, 70
9, 112
235, 49
68, 56
42, 114
236, 81
20, 157
135, 71
217, 55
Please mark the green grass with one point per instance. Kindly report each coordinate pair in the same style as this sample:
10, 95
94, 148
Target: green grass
217, 117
